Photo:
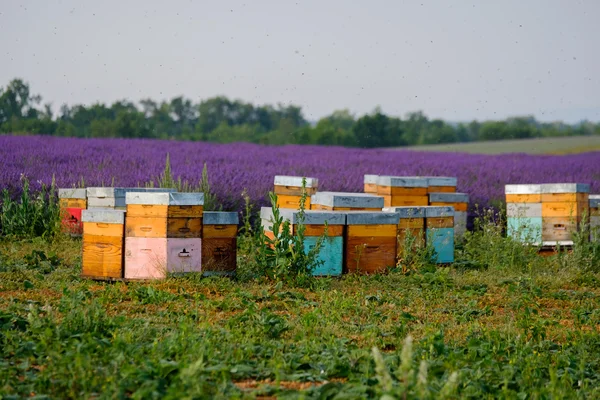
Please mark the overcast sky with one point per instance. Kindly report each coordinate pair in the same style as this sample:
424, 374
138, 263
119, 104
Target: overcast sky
452, 59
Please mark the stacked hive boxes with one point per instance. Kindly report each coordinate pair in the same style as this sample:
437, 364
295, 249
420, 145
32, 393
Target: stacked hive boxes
103, 232
370, 182
594, 200
162, 234
440, 184
403, 191
545, 214
71, 203
114, 198
524, 213
460, 202
316, 224
370, 241
219, 243
411, 229
563, 206
289, 191
439, 232
337, 201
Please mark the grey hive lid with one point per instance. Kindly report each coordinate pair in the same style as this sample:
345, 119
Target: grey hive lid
372, 218
121, 191
403, 181
407, 212
371, 179
441, 180
351, 200
448, 197
173, 199
523, 189
220, 218
438, 211
565, 188
594, 200
73, 193
315, 217
284, 180
104, 216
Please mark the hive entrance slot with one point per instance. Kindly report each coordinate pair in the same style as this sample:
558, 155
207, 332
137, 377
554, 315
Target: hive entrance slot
184, 253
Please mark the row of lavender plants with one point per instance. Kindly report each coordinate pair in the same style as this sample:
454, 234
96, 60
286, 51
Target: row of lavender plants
235, 167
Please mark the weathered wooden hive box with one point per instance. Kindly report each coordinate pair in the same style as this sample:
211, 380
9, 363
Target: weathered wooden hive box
114, 197
594, 202
341, 201
289, 191
163, 234
439, 232
103, 232
524, 213
370, 245
71, 203
460, 202
441, 184
219, 243
370, 184
403, 190
563, 207
411, 229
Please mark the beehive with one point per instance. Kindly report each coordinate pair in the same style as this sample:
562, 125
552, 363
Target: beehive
370, 245
370, 182
460, 202
411, 229
339, 201
289, 191
114, 197
403, 191
563, 206
163, 234
71, 203
441, 184
594, 202
103, 232
439, 232
219, 243
524, 213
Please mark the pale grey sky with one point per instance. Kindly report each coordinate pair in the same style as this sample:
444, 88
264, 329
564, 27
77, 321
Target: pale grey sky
455, 59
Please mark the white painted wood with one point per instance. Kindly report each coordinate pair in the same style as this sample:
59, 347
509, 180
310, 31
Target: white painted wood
284, 180
565, 188
520, 210
352, 200
105, 216
371, 179
73, 193
523, 189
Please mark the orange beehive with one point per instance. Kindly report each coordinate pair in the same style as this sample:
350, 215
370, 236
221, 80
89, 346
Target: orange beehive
103, 232
402, 191
219, 243
289, 191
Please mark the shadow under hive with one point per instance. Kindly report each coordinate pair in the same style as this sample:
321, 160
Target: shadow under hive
341, 201
103, 232
402, 191
439, 232
219, 243
411, 230
370, 245
289, 191
71, 203
163, 234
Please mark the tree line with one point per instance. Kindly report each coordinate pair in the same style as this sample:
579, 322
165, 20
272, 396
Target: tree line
223, 120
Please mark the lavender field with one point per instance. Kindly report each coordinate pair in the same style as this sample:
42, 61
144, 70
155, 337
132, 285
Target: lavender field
235, 167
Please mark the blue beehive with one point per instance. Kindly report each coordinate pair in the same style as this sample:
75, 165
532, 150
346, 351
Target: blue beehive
439, 222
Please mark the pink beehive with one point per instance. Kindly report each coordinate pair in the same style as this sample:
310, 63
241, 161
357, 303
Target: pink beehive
145, 258
184, 255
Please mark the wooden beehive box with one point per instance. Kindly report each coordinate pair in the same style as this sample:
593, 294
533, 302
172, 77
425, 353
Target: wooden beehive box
289, 191
441, 184
402, 191
163, 234
594, 202
411, 229
71, 202
460, 202
370, 182
103, 232
563, 206
114, 197
340, 201
524, 213
439, 232
219, 243
370, 245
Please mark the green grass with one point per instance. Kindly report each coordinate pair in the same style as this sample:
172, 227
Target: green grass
559, 145
502, 322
